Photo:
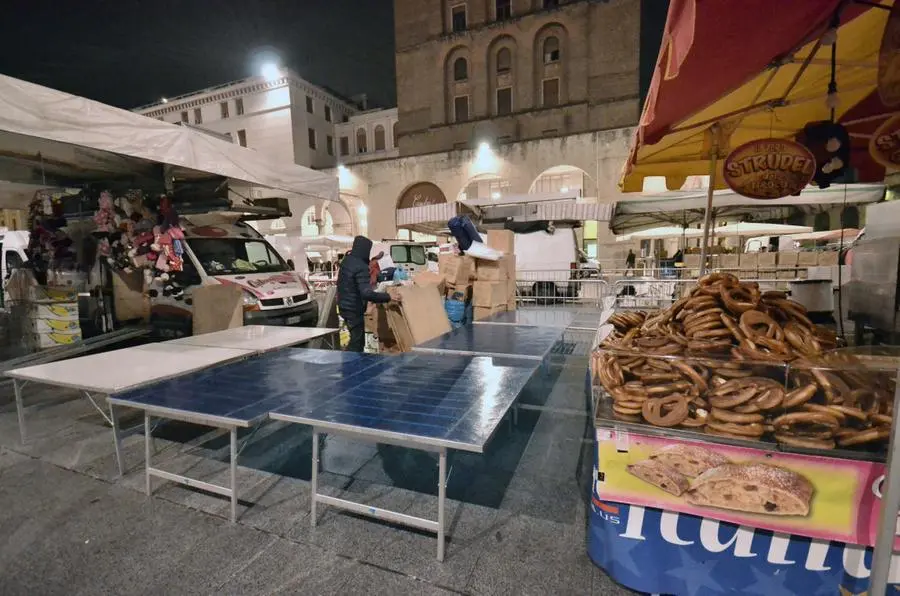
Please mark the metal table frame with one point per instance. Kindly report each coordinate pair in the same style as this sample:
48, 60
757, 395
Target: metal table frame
421, 523
890, 508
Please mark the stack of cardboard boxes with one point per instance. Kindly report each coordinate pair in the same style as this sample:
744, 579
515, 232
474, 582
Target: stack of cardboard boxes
494, 289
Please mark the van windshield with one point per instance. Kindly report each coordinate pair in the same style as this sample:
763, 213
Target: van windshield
226, 256
408, 253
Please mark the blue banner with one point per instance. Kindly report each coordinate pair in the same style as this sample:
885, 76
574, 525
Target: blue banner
661, 552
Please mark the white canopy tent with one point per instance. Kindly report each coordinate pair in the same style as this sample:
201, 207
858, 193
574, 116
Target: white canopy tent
47, 136
829, 235
661, 233
687, 208
749, 228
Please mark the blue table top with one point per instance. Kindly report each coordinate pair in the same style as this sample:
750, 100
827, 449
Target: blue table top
441, 401
511, 341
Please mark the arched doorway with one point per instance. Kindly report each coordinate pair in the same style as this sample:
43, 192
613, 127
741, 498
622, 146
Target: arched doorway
421, 194
565, 179
309, 226
484, 186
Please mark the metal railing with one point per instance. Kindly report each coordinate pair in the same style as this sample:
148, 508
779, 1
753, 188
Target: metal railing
644, 293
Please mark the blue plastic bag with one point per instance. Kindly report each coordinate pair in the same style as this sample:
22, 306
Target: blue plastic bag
456, 312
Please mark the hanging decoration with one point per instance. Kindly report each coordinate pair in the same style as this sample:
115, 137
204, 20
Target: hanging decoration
884, 146
829, 143
769, 168
49, 246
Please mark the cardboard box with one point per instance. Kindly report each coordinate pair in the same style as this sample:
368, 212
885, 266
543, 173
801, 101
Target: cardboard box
482, 312
787, 258
461, 292
456, 269
807, 259
729, 261
495, 270
217, 308
429, 278
750, 260
63, 311
511, 295
502, 240
828, 258
691, 261
418, 318
490, 293
377, 323
767, 260
57, 326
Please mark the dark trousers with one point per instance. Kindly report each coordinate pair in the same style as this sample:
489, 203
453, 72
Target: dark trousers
357, 328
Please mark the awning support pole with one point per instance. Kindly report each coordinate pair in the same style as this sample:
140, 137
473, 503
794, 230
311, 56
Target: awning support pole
713, 162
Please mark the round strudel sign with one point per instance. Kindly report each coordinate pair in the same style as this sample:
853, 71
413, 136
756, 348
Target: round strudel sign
769, 168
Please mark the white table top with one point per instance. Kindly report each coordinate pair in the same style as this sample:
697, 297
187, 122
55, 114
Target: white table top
120, 370
258, 338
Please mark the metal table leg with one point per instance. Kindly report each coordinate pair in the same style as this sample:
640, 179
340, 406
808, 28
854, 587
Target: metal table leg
20, 407
234, 475
117, 438
147, 440
314, 484
890, 507
442, 496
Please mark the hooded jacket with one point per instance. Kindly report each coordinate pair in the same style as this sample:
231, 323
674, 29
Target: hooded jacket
353, 285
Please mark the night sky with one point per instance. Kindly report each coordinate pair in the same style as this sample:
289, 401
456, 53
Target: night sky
129, 53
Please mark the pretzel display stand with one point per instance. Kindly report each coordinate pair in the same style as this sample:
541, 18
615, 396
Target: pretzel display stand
738, 448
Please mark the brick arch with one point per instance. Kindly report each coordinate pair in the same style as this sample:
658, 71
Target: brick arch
497, 80
544, 70
453, 88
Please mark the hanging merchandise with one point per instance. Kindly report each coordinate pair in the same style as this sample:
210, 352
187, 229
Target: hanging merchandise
49, 247
830, 145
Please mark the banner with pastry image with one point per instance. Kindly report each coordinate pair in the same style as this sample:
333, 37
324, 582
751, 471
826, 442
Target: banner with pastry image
819, 497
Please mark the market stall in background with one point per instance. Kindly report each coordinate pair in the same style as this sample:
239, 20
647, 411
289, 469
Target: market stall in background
745, 439
131, 220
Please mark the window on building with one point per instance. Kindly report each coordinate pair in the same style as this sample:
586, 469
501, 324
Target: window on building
502, 9
242, 138
379, 138
198, 116
362, 145
309, 104
239, 106
461, 108
458, 18
504, 101
345, 145
551, 50
327, 113
460, 69
550, 93
184, 117
223, 109
504, 61
345, 118
329, 144
551, 3
311, 133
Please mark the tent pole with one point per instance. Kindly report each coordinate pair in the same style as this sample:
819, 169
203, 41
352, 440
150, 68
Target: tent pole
713, 159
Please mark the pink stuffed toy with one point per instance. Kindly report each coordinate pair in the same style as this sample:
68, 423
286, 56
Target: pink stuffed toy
105, 218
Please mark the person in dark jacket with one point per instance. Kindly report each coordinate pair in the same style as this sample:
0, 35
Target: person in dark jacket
355, 291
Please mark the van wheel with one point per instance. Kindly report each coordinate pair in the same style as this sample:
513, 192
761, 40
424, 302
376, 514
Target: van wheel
544, 293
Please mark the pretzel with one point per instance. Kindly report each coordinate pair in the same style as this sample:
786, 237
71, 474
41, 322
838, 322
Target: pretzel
744, 431
802, 339
736, 417
804, 442
753, 321
725, 279
665, 411
739, 299
800, 396
806, 425
698, 378
865, 436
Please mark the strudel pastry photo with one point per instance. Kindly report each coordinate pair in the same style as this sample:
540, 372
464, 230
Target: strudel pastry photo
752, 488
660, 475
690, 460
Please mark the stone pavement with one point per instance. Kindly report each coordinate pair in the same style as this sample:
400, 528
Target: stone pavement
516, 515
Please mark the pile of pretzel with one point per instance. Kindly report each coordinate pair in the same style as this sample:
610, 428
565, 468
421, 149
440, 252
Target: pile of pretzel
742, 363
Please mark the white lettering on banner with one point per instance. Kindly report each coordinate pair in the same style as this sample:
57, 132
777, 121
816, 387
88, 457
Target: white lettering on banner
778, 550
876, 486
635, 525
855, 561
668, 526
742, 539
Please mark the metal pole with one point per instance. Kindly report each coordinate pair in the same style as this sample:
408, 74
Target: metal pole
713, 161
233, 475
890, 507
442, 496
147, 433
20, 409
314, 484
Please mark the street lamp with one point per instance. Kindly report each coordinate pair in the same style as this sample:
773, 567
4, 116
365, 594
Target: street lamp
270, 71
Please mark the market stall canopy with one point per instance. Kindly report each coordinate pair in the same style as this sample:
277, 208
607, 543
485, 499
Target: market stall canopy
750, 228
828, 235
329, 241
686, 208
661, 233
757, 69
48, 135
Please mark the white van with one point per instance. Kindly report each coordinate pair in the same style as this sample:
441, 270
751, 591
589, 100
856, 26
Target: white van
12, 252
412, 257
546, 263
234, 253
